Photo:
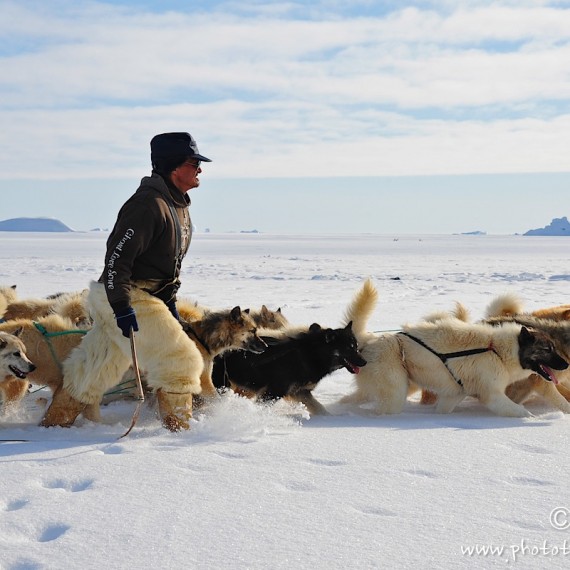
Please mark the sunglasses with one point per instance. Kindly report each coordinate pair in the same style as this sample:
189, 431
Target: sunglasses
194, 164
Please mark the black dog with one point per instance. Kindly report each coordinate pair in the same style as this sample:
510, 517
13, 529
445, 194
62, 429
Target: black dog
290, 366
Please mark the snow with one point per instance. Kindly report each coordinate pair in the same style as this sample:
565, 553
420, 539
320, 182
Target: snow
256, 487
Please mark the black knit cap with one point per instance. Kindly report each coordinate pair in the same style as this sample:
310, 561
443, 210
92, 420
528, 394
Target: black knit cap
169, 150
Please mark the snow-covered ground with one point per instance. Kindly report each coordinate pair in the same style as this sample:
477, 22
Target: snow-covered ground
253, 487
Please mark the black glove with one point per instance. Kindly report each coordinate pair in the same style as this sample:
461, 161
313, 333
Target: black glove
127, 320
172, 308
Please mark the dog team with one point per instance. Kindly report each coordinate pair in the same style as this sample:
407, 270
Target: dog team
502, 360
82, 345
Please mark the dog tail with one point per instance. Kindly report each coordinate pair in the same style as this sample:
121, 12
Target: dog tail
189, 310
506, 305
361, 307
461, 313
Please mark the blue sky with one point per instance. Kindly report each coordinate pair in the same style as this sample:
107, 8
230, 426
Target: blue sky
321, 116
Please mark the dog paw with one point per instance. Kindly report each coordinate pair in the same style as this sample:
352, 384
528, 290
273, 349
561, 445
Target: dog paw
16, 505
377, 511
71, 486
53, 532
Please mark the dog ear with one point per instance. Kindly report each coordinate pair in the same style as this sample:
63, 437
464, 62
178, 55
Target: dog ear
526, 335
330, 335
315, 327
348, 326
18, 331
246, 311
235, 313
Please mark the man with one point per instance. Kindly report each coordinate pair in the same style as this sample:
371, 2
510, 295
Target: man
137, 291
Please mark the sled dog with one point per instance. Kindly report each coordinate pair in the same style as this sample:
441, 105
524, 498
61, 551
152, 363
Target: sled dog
7, 295
14, 367
217, 332
73, 306
291, 366
557, 395
508, 308
69, 305
48, 349
449, 357
558, 313
263, 318
509, 305
28, 309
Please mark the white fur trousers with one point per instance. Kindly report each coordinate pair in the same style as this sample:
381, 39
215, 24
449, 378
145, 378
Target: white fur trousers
169, 359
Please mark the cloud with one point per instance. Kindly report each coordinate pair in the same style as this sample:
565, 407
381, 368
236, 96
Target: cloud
265, 140
416, 88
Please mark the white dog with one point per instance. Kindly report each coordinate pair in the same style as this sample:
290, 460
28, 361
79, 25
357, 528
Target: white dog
452, 358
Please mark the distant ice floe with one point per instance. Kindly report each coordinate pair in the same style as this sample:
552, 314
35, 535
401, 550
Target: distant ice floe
557, 227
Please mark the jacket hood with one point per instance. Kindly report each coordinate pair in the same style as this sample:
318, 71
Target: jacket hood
158, 183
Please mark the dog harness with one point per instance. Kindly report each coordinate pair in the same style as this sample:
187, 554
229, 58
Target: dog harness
187, 327
48, 336
444, 357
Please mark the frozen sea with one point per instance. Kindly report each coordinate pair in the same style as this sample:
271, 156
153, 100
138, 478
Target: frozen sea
255, 487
